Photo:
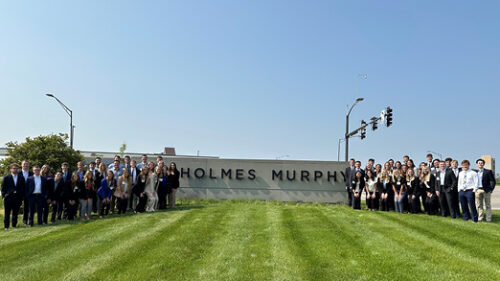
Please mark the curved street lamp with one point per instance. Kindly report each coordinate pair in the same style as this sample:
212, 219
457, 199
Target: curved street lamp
347, 128
70, 113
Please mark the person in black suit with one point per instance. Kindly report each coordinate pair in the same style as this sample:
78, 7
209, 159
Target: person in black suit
358, 185
71, 195
138, 190
45, 172
454, 191
95, 173
12, 193
134, 175
36, 192
62, 204
172, 183
99, 176
348, 180
445, 181
486, 185
413, 189
55, 195
428, 186
26, 173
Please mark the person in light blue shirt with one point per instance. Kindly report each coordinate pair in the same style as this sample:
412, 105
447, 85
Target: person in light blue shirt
117, 158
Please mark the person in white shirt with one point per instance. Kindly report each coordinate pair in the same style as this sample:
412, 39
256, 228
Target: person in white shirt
467, 186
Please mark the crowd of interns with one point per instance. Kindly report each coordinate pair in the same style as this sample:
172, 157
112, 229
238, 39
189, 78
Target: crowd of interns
436, 187
99, 189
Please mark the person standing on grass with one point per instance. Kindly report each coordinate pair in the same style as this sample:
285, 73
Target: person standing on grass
134, 175
13, 186
454, 193
138, 190
486, 185
45, 172
150, 188
172, 183
358, 185
36, 191
371, 191
105, 192
162, 187
62, 205
399, 189
26, 173
117, 171
467, 187
444, 186
348, 180
71, 195
413, 191
100, 174
385, 186
428, 185
86, 193
122, 192
55, 195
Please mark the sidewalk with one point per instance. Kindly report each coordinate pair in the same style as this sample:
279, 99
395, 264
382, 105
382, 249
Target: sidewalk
495, 198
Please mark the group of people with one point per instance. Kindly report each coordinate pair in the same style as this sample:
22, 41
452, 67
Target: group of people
440, 186
99, 189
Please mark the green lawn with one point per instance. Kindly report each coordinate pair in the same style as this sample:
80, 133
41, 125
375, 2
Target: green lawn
255, 240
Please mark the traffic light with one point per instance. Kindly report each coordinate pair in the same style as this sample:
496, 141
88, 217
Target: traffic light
388, 113
363, 129
374, 126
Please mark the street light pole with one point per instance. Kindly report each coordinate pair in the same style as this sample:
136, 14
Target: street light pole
347, 128
70, 113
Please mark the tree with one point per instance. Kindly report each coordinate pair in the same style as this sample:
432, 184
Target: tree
52, 150
123, 147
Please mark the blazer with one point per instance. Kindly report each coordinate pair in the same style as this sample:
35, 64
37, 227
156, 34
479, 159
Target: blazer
50, 187
104, 191
352, 176
84, 192
30, 186
173, 180
137, 172
72, 191
348, 178
10, 189
57, 190
139, 186
488, 180
431, 185
413, 187
449, 181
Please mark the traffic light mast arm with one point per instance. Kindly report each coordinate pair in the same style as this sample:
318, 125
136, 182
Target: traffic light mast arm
373, 120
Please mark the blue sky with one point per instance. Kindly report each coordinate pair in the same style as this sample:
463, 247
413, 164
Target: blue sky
254, 79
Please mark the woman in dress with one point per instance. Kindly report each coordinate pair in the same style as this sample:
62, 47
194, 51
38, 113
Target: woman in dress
150, 188
385, 186
371, 191
138, 190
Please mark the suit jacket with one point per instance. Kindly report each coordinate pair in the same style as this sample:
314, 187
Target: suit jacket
348, 179
137, 172
353, 175
57, 191
30, 186
449, 181
488, 180
430, 187
11, 189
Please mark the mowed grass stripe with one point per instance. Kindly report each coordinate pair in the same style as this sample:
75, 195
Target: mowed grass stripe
241, 250
169, 254
443, 261
80, 247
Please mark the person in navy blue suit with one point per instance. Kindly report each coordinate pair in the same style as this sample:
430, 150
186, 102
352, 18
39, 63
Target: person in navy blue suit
36, 192
12, 193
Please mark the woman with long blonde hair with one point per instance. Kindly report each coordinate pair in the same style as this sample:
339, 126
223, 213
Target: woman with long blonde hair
427, 185
123, 190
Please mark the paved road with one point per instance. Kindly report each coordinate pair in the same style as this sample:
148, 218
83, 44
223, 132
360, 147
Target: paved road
495, 198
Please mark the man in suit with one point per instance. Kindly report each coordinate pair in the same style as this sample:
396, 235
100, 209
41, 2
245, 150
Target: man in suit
134, 175
454, 192
348, 180
144, 162
12, 192
55, 195
65, 181
26, 173
445, 181
37, 192
486, 185
429, 158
